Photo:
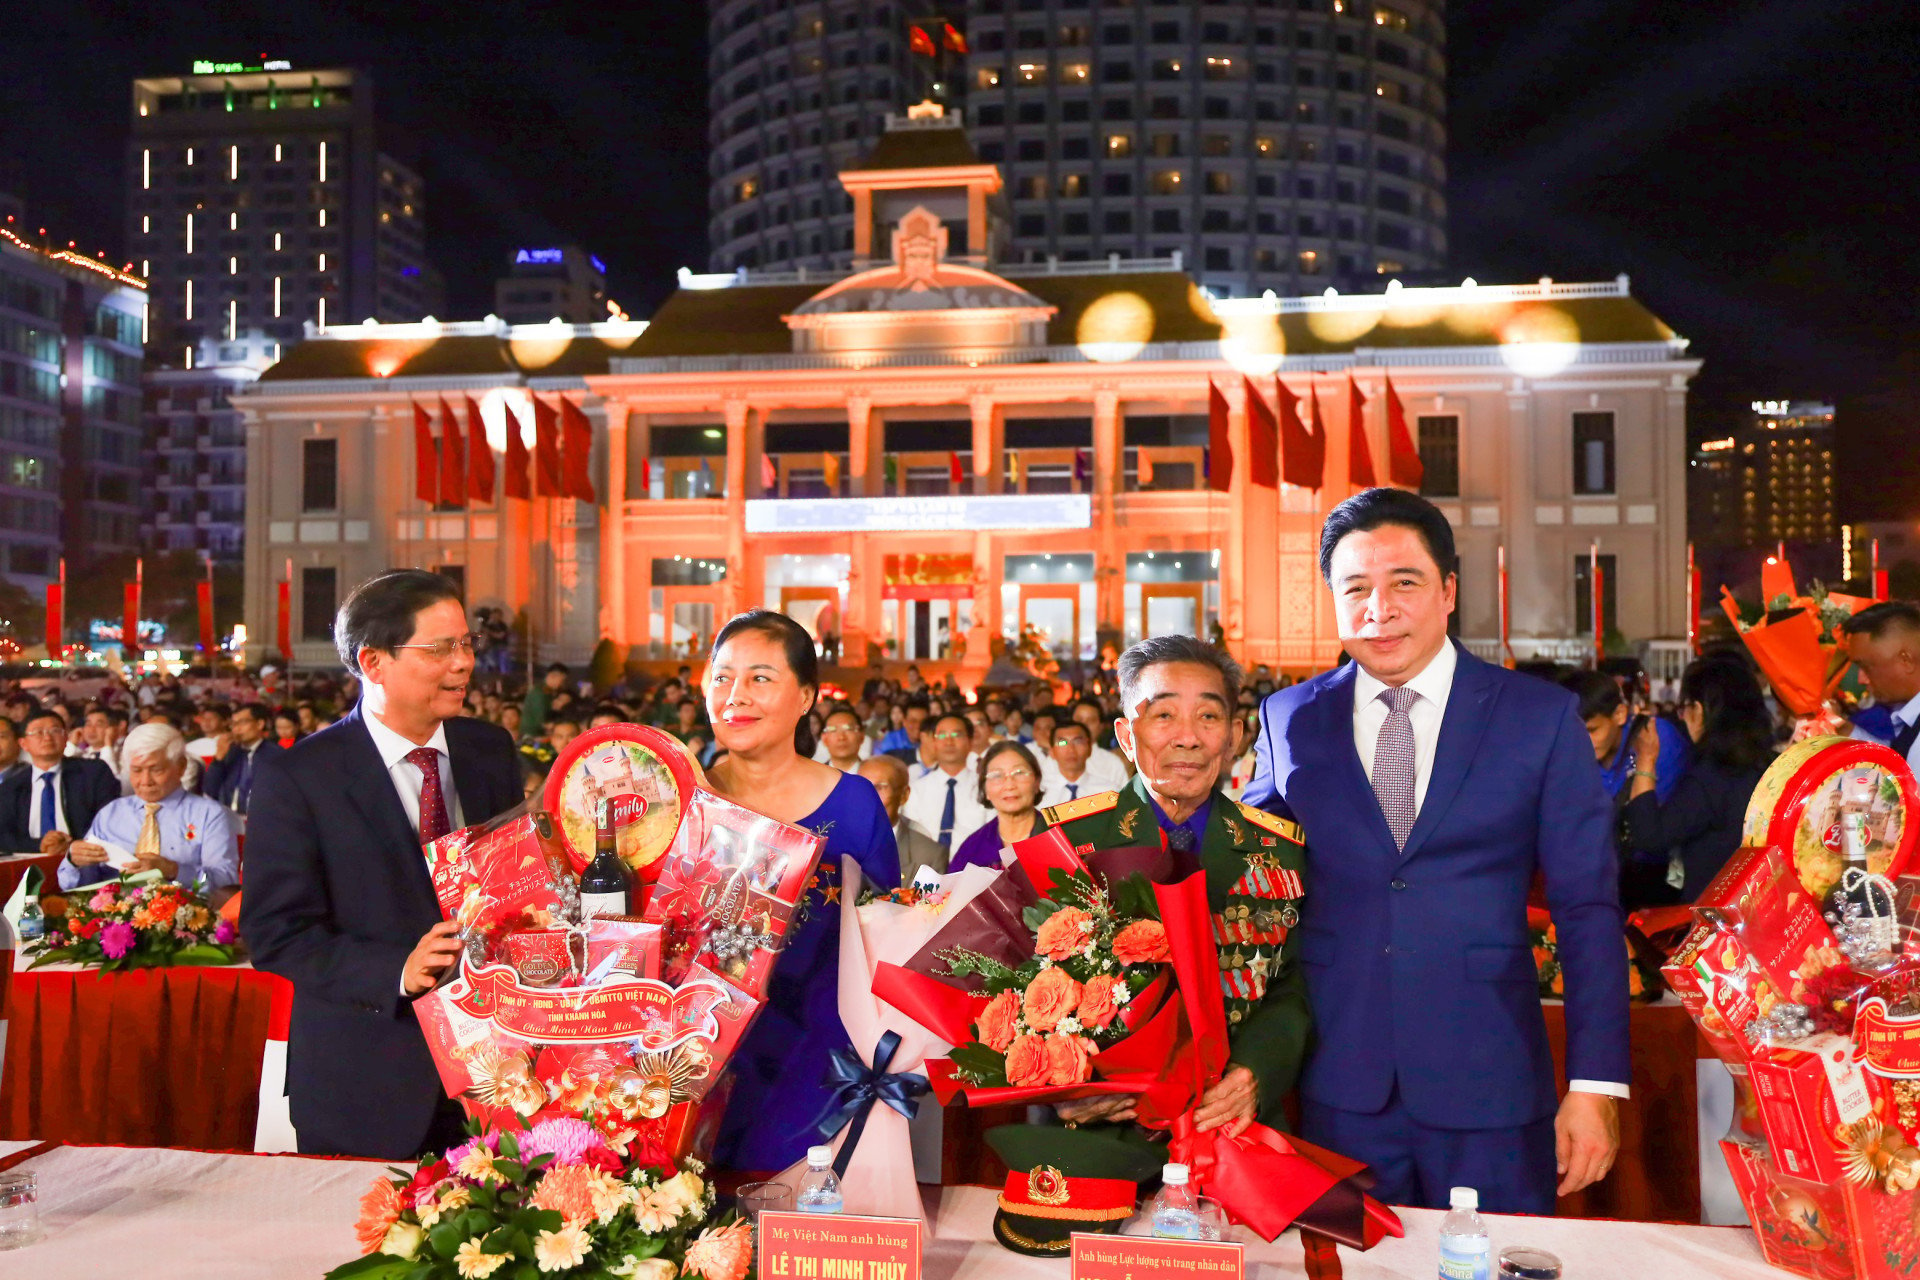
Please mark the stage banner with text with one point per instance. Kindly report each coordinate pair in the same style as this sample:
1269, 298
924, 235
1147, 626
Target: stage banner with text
1103, 1257
827, 1246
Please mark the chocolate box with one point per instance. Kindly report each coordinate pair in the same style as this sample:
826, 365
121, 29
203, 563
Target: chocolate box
1806, 1092
1759, 894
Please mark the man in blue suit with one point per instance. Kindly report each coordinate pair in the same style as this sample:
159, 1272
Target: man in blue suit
1431, 787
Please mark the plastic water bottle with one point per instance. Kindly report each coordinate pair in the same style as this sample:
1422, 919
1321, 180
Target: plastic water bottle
1175, 1214
1465, 1251
33, 924
820, 1189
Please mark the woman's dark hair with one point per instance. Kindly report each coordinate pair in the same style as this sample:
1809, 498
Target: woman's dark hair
1599, 693
1737, 731
801, 659
1371, 508
380, 612
1004, 747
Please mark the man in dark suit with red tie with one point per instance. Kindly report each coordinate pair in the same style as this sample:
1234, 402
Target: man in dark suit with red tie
337, 895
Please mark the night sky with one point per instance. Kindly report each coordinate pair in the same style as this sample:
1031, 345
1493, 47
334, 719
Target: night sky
1752, 165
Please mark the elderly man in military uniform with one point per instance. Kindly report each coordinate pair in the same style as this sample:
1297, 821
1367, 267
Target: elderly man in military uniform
1178, 697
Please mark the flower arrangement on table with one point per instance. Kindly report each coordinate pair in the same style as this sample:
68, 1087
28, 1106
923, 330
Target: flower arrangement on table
136, 922
554, 1198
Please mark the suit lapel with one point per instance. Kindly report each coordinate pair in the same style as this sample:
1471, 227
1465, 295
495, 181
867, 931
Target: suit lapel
467, 781
1468, 707
1334, 731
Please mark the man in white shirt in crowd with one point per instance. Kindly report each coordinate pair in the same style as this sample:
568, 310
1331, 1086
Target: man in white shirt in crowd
103, 733
1069, 772
1089, 713
187, 838
842, 741
946, 800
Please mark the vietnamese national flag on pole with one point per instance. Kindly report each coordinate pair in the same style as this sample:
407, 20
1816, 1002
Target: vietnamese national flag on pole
1219, 442
517, 483
1359, 456
576, 439
769, 475
830, 468
952, 39
920, 42
453, 459
130, 621
1263, 438
426, 462
1015, 469
1299, 451
1143, 477
955, 472
283, 620
56, 622
1319, 430
646, 477
1404, 467
546, 450
479, 456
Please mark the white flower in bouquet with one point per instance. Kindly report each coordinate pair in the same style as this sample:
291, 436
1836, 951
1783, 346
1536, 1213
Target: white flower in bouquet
658, 1211
475, 1263
685, 1189
633, 1268
559, 1250
403, 1240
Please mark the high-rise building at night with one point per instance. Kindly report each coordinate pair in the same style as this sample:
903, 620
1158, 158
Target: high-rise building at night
70, 329
795, 93
197, 450
1272, 148
261, 198
564, 282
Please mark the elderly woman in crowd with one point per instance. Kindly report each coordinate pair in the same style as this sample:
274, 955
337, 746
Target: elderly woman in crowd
186, 837
1010, 782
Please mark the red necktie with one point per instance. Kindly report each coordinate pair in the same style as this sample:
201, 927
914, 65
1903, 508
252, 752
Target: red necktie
433, 805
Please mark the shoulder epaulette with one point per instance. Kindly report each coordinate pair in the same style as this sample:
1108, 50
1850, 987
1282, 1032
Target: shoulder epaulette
1278, 825
1084, 807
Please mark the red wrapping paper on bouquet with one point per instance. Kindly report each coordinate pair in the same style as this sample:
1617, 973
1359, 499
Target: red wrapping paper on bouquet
1265, 1179
1178, 1050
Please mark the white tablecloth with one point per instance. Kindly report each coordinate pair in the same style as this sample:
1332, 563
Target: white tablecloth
170, 1213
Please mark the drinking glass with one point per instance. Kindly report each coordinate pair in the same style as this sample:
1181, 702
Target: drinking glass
1213, 1218
19, 1209
756, 1198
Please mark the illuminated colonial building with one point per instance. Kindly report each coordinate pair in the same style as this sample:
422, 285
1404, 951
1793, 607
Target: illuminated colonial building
952, 449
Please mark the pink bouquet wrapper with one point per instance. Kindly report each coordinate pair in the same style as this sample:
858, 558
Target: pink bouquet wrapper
880, 1176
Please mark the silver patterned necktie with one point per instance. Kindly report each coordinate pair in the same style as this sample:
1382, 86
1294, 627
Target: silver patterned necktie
1393, 764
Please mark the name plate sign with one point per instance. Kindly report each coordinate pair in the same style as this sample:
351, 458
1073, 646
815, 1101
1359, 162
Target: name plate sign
833, 1246
1102, 1257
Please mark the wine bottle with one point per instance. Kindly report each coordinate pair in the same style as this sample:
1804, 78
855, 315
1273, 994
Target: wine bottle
606, 885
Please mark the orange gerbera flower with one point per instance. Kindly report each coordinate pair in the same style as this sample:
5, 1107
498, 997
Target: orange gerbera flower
379, 1209
721, 1253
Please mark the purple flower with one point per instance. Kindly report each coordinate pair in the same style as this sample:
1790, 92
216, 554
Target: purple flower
567, 1140
223, 933
117, 939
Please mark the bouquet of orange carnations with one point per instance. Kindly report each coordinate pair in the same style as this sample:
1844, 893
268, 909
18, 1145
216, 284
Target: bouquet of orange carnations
136, 923
553, 1199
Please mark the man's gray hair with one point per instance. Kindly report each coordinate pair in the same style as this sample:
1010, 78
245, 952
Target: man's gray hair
156, 739
1159, 650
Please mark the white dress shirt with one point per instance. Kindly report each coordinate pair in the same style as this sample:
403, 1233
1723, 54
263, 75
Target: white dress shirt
406, 778
1905, 714
34, 788
1100, 775
1433, 682
927, 799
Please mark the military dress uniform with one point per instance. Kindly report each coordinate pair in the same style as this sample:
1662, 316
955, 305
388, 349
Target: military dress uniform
1254, 862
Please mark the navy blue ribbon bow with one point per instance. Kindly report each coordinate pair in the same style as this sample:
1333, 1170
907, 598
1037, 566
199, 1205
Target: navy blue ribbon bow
855, 1087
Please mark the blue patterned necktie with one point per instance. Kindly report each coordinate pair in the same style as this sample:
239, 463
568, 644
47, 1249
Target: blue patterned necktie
946, 816
47, 820
1181, 838
1393, 765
